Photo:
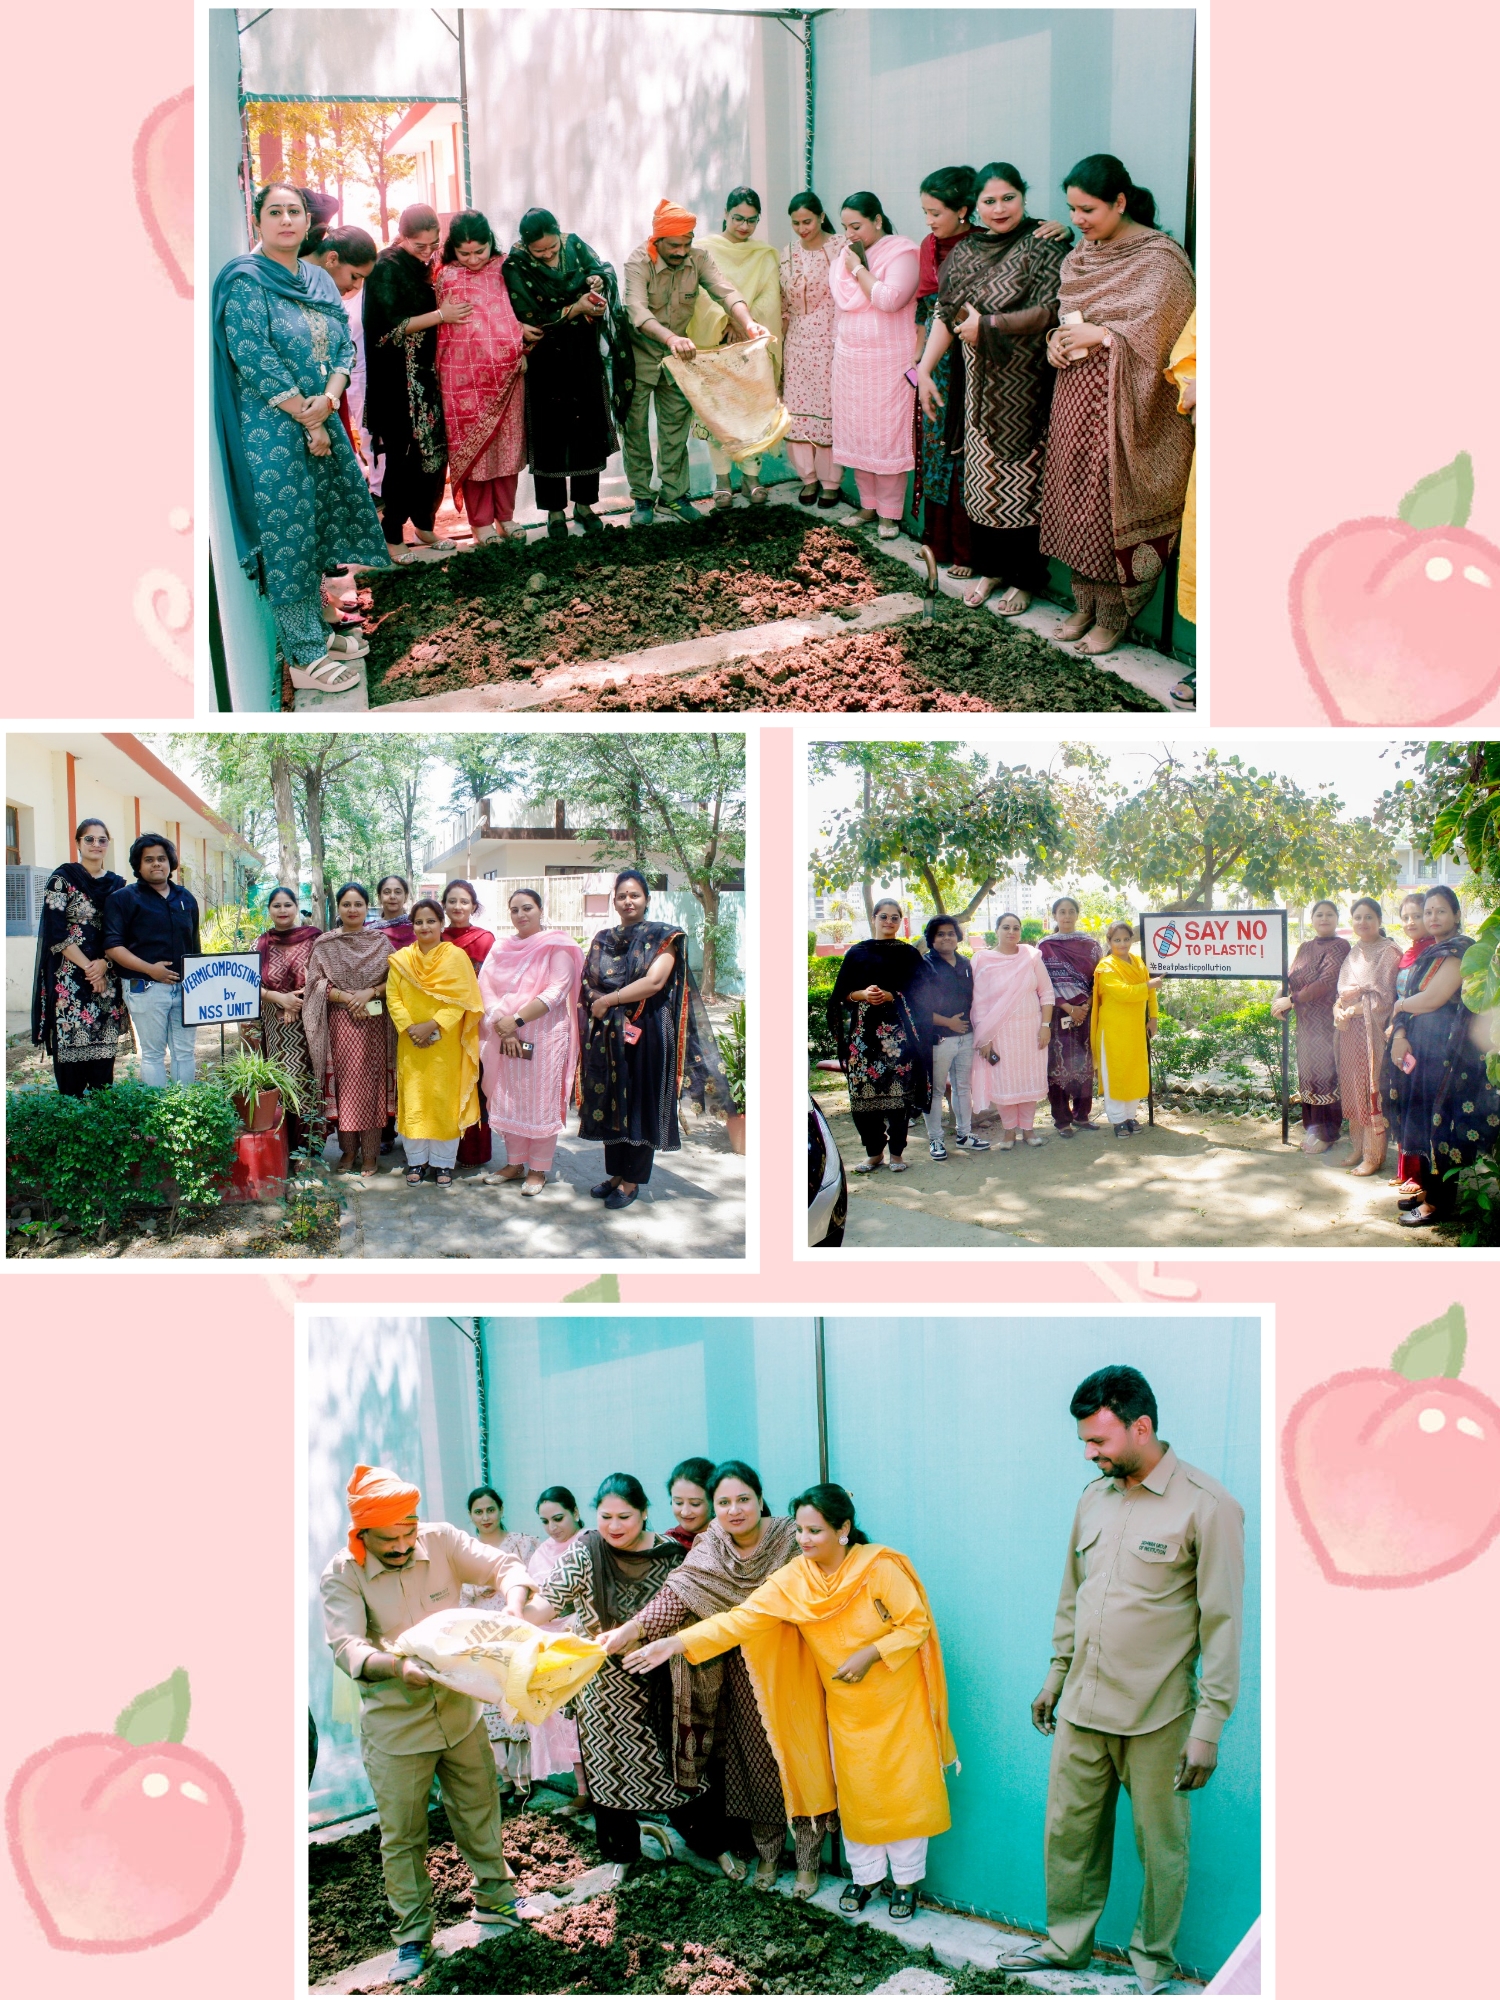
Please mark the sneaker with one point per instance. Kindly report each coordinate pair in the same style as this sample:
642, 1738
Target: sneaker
972, 1143
685, 511
411, 1961
497, 1905
938, 1150
642, 514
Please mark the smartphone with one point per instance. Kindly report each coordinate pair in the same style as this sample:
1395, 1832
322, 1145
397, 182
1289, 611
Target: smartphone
911, 376
527, 1050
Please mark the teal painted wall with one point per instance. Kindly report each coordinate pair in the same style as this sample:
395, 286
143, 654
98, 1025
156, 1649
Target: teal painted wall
681, 906
955, 1439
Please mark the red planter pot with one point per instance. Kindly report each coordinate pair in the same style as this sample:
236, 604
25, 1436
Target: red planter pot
736, 1123
267, 1111
260, 1167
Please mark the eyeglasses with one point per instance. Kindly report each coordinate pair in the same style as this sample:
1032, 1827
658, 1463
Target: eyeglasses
93, 840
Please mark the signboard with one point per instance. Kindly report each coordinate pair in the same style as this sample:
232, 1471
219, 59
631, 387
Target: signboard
1215, 944
223, 988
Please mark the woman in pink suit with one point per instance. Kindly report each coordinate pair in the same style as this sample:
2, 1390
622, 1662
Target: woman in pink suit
529, 985
874, 288
1013, 1001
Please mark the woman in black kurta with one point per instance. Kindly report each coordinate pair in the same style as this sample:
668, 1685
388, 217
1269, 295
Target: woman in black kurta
634, 1030
403, 401
580, 375
878, 1038
1445, 1110
77, 1013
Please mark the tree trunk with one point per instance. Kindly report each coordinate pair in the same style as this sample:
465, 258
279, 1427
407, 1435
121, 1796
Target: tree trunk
289, 867
708, 896
312, 791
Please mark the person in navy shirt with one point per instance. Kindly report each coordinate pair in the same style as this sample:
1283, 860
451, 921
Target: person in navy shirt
149, 928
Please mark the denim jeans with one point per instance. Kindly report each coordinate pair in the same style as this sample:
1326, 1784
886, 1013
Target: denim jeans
952, 1057
156, 1010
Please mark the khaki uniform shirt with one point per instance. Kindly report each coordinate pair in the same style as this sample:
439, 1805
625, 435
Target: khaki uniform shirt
652, 291
1152, 1585
367, 1606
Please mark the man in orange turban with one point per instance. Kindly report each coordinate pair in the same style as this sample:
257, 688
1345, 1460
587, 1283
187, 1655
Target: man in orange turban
662, 280
395, 1571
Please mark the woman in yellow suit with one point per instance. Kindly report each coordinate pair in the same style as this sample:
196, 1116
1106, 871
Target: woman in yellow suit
434, 1003
844, 1655
1124, 1021
753, 267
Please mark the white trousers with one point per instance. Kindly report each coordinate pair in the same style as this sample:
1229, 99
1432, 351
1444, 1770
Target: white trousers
429, 1152
906, 1859
1116, 1109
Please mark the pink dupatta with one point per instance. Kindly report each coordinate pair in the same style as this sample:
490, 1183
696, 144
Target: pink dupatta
521, 969
479, 371
1005, 984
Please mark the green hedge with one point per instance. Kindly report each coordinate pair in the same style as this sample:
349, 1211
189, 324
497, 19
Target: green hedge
821, 974
97, 1157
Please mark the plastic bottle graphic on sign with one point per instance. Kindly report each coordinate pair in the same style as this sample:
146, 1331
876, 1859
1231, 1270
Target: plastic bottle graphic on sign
1166, 941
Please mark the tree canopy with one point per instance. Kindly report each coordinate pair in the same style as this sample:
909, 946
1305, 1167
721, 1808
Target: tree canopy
1452, 806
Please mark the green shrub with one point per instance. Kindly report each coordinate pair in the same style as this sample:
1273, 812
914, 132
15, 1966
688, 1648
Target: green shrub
1033, 930
1479, 1202
732, 1051
821, 975
97, 1157
232, 928
1219, 1039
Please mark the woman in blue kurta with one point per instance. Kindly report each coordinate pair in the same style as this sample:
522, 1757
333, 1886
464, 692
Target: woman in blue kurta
283, 353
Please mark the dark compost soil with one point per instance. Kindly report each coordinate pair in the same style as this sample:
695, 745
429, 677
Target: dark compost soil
484, 616
963, 660
677, 1932
349, 1919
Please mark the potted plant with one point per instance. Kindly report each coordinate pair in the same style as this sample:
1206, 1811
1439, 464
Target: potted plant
260, 1089
732, 1052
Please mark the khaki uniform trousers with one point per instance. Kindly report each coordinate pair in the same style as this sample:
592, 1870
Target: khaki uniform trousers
471, 1798
1088, 1771
674, 419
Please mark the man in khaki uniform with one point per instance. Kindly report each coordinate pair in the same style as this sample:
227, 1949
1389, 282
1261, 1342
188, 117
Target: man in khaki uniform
662, 281
395, 1572
1152, 1587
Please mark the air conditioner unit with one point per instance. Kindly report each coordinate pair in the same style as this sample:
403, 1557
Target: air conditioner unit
23, 900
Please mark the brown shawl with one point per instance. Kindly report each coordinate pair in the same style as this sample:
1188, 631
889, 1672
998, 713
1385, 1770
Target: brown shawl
348, 962
1142, 290
715, 1577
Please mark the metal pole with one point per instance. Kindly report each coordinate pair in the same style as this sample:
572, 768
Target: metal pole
463, 104
481, 1387
1145, 1017
820, 1360
809, 113
1286, 1040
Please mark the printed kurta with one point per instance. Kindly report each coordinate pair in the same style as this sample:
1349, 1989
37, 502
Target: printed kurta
880, 1046
283, 969
939, 444
808, 315
1362, 1009
887, 1732
437, 1087
1010, 991
1447, 1109
1070, 961
353, 1054
481, 375
623, 1759
874, 340
531, 1098
1312, 983
79, 1028
311, 513
1123, 1002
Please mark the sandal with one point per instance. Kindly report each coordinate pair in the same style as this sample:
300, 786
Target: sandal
1073, 626
1014, 602
1032, 1139
415, 1176
903, 1903
443, 1177
331, 675
402, 557
854, 1898
981, 592
806, 1885
348, 644
438, 544
1184, 694
960, 572
759, 495
1100, 640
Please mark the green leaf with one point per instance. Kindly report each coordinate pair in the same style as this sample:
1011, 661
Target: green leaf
160, 1715
1435, 1349
601, 1291
1443, 499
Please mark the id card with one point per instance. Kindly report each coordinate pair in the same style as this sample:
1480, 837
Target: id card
632, 1033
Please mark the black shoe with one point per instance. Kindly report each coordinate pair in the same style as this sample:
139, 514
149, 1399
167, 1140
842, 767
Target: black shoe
588, 520
1063, 1131
604, 1189
619, 1199
1411, 1201
557, 527
904, 1903
855, 1896
828, 501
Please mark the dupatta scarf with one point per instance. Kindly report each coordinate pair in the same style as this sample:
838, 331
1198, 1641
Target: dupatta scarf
608, 1082
349, 961
541, 293
73, 915
1070, 960
479, 365
521, 969
403, 399
1004, 986
1446, 1110
310, 288
1142, 290
789, 1687
283, 956
445, 976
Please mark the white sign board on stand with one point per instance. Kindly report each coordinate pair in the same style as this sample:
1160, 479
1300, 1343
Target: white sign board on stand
1214, 944
220, 989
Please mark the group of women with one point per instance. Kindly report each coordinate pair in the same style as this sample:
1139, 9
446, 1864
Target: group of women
1029, 385
416, 1023
1385, 1040
1037, 1022
766, 1674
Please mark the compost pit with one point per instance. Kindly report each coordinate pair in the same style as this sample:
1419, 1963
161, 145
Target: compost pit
674, 1930
349, 1919
510, 611
965, 659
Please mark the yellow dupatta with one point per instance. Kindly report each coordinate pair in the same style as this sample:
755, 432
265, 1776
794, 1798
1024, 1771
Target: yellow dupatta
789, 1688
754, 269
446, 977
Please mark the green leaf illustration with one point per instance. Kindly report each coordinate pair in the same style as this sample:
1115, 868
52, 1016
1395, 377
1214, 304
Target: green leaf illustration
1435, 1349
160, 1715
601, 1291
1443, 499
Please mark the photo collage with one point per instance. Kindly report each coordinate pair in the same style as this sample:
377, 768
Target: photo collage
804, 1215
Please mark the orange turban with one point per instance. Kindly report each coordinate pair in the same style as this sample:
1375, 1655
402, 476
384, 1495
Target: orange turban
670, 220
377, 1499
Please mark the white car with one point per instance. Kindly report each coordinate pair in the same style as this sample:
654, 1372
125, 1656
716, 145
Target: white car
827, 1189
